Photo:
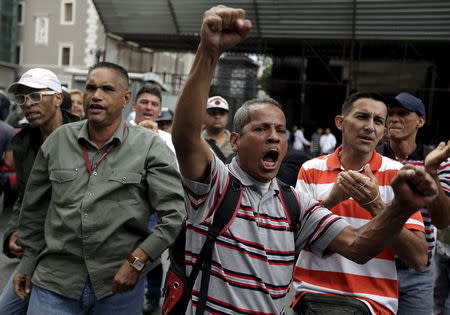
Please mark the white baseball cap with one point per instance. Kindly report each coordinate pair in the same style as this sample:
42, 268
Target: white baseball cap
217, 102
37, 78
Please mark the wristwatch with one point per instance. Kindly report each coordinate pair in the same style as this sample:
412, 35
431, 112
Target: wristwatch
135, 262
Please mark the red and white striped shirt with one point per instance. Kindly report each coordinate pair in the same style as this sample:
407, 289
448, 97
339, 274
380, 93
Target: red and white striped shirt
375, 282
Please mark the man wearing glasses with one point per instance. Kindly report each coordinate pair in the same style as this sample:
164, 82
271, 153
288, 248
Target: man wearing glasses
39, 94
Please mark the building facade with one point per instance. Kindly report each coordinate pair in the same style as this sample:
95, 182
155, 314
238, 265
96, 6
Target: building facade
8, 33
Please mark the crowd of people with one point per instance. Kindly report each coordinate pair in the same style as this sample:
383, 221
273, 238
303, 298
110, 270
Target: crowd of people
101, 197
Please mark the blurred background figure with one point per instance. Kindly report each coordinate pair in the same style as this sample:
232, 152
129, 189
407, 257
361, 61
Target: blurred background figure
77, 108
300, 142
67, 102
215, 122
6, 155
327, 142
165, 120
315, 142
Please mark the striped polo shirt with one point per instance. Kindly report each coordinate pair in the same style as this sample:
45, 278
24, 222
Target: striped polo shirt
375, 282
417, 159
253, 260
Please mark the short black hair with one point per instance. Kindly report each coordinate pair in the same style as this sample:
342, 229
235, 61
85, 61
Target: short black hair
110, 65
350, 100
149, 88
242, 116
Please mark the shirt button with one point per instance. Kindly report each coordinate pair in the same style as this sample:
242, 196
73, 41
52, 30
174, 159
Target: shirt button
85, 215
89, 194
124, 178
95, 173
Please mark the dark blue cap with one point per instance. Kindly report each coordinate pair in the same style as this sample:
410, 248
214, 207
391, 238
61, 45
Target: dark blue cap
410, 102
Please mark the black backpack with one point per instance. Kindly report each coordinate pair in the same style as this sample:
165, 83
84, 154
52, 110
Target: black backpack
178, 287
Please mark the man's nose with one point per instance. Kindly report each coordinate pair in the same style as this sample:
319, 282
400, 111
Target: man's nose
97, 94
274, 136
370, 126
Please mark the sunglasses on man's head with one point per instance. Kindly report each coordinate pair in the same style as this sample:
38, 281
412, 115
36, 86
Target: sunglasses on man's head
34, 97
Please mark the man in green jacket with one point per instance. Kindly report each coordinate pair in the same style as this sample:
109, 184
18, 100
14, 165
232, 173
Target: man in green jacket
83, 223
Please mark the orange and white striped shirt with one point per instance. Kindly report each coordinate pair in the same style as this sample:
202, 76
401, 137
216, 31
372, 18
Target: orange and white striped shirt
375, 282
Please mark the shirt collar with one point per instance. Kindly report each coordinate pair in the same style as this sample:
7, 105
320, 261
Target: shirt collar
207, 137
246, 179
334, 162
417, 155
118, 136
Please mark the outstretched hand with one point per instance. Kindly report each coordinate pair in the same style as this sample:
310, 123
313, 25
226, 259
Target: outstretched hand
436, 157
223, 28
414, 188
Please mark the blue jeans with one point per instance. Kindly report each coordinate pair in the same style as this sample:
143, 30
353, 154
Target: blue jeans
46, 302
415, 291
442, 284
10, 304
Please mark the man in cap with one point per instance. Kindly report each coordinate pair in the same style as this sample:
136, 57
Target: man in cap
215, 132
165, 120
39, 94
92, 189
406, 115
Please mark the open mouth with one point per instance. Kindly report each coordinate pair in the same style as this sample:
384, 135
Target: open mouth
270, 159
95, 108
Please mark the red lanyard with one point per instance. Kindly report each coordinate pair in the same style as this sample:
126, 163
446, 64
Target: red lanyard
88, 163
107, 151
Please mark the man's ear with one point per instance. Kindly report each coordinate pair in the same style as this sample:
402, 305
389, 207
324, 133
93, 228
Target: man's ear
421, 122
127, 98
234, 141
59, 97
338, 120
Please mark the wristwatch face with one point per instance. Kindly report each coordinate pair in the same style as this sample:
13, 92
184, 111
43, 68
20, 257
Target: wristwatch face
138, 264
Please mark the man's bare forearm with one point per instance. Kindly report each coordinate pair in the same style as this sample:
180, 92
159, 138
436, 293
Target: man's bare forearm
440, 207
193, 152
411, 247
366, 242
191, 107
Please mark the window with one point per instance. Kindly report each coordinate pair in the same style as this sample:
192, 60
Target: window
18, 56
20, 13
67, 11
65, 54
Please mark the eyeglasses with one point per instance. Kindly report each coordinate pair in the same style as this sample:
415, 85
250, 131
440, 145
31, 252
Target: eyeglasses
34, 97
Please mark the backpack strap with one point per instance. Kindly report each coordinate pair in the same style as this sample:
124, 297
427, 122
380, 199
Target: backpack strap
212, 143
290, 201
223, 218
